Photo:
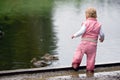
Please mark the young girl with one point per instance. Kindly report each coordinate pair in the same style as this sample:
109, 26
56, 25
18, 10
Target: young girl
90, 31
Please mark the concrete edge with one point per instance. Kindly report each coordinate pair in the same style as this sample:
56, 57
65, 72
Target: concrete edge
40, 70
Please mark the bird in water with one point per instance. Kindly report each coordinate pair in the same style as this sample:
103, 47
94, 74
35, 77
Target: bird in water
40, 63
49, 57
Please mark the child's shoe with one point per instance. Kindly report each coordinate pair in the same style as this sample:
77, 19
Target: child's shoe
90, 73
75, 67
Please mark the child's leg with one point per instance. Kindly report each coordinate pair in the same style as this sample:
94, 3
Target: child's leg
91, 54
77, 57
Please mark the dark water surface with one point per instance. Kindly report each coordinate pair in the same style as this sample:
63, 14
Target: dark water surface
35, 27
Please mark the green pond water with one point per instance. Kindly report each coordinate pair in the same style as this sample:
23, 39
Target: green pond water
33, 28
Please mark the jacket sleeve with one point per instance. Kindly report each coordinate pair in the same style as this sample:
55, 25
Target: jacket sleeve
80, 32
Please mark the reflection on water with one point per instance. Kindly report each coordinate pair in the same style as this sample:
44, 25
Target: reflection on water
68, 16
28, 33
33, 28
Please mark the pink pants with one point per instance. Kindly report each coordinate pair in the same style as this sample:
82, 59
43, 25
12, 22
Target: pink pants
88, 48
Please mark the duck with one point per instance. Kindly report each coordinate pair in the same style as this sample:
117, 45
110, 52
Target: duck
49, 57
40, 63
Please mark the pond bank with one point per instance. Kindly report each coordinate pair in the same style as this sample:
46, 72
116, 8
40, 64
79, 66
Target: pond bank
102, 72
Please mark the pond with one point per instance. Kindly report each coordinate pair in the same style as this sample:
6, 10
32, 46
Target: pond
33, 28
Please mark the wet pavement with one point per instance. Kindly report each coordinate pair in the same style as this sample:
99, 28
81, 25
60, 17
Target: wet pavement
103, 73
115, 75
98, 76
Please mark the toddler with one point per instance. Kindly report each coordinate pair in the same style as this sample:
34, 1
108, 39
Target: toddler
90, 31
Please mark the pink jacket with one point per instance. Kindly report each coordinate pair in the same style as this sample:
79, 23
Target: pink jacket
92, 28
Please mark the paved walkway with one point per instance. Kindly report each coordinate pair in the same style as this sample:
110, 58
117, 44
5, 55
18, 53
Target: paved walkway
64, 73
68, 75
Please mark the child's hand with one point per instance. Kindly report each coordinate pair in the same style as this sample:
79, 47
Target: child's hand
72, 36
101, 40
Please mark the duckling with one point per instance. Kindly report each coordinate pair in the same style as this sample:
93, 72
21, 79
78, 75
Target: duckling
39, 63
49, 57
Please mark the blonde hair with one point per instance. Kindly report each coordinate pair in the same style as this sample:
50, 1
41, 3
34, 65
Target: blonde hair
91, 12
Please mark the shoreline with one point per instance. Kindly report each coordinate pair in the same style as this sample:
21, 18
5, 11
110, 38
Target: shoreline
102, 72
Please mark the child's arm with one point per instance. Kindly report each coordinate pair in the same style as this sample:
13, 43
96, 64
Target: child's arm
80, 32
102, 36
